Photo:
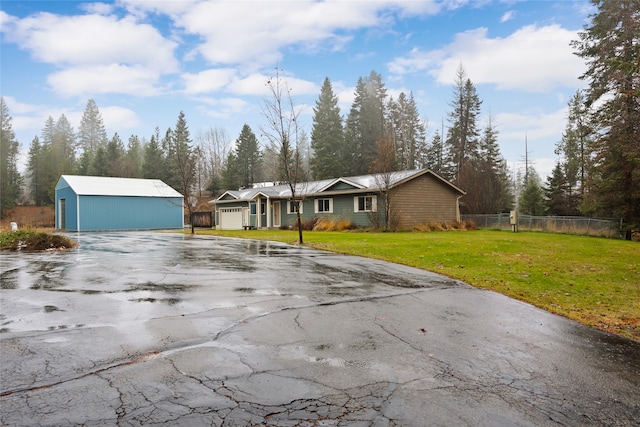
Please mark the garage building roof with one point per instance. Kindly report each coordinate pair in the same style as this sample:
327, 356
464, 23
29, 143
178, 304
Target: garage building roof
110, 186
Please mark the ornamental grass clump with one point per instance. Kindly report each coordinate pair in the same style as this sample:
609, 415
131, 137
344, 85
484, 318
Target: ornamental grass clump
33, 241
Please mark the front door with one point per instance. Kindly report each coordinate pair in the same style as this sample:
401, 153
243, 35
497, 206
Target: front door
245, 217
276, 214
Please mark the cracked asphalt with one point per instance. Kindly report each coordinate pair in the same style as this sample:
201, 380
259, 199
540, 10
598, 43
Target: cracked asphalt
151, 329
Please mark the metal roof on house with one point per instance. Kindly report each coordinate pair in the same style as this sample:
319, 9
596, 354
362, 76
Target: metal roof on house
362, 183
110, 186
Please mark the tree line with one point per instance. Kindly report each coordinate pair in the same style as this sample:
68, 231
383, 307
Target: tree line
338, 146
596, 173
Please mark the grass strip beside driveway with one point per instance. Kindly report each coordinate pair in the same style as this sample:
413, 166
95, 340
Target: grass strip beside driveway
595, 281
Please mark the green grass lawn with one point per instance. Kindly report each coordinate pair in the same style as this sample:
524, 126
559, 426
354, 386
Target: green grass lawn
595, 281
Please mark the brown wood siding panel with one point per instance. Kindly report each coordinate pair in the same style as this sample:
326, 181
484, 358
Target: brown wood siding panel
422, 200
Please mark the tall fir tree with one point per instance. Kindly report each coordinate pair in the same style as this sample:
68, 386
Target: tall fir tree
407, 131
91, 135
183, 163
495, 194
65, 144
153, 161
57, 155
132, 167
36, 185
462, 136
114, 156
573, 145
248, 157
365, 123
327, 136
610, 44
555, 192
435, 155
10, 178
531, 200
231, 172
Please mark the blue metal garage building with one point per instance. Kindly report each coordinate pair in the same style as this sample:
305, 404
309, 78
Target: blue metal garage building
93, 203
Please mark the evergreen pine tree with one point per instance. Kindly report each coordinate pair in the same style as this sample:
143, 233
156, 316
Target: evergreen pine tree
327, 136
247, 157
183, 163
462, 136
407, 131
36, 186
10, 178
365, 123
610, 44
555, 192
114, 157
91, 135
152, 165
435, 155
532, 198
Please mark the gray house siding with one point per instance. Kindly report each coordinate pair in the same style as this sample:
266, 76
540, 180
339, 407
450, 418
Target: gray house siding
343, 208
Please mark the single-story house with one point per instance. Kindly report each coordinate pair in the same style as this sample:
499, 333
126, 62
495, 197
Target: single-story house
417, 197
95, 203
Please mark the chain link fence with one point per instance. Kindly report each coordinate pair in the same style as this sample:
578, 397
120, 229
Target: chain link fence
556, 224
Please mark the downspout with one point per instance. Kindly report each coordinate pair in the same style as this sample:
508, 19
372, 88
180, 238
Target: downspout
458, 208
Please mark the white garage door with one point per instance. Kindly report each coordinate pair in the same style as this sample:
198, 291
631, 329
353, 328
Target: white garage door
230, 218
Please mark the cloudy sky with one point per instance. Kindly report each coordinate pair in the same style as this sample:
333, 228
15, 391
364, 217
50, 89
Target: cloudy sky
145, 61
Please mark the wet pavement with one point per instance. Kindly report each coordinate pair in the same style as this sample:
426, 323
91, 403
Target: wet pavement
163, 329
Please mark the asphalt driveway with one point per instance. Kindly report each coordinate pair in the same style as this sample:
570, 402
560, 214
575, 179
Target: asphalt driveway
163, 329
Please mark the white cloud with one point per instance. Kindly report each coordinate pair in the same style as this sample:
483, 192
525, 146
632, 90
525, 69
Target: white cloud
208, 80
116, 117
92, 40
508, 16
95, 53
256, 84
539, 130
114, 78
225, 107
260, 30
536, 125
17, 107
97, 8
535, 59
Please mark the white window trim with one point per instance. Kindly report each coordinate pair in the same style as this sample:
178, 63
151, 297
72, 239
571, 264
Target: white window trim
291, 210
374, 203
315, 206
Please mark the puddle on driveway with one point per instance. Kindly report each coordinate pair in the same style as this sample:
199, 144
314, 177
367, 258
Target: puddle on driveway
133, 276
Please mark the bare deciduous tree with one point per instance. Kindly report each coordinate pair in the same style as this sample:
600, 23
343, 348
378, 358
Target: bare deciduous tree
284, 134
384, 168
213, 147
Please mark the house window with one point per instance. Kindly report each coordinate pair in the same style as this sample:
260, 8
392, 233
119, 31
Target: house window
263, 209
365, 204
253, 208
291, 207
324, 206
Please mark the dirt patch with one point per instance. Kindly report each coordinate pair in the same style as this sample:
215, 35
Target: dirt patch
28, 216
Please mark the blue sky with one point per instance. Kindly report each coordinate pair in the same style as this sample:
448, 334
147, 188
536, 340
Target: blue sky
145, 61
